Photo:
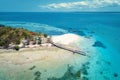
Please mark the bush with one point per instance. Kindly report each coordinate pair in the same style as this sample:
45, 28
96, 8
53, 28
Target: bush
45, 35
17, 48
2, 43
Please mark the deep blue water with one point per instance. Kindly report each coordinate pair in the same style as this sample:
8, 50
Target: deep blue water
64, 20
104, 27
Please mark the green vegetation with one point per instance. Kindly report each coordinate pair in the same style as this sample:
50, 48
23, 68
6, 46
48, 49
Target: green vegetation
45, 35
17, 48
15, 35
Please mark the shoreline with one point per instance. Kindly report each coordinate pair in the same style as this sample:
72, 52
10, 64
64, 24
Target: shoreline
68, 40
42, 59
19, 63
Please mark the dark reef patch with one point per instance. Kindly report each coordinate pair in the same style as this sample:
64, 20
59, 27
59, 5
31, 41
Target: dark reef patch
82, 33
107, 62
37, 75
101, 72
84, 69
115, 75
86, 65
99, 44
84, 78
37, 78
98, 62
92, 32
69, 75
88, 37
33, 67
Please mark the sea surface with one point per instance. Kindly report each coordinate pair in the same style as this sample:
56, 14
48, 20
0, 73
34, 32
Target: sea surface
104, 27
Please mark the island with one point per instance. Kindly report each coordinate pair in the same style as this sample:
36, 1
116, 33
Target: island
27, 55
15, 38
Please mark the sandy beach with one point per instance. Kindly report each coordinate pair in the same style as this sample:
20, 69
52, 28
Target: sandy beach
49, 61
67, 39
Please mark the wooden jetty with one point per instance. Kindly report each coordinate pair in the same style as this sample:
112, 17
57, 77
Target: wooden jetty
69, 49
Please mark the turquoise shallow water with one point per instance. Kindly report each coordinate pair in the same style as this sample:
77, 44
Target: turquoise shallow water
103, 27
